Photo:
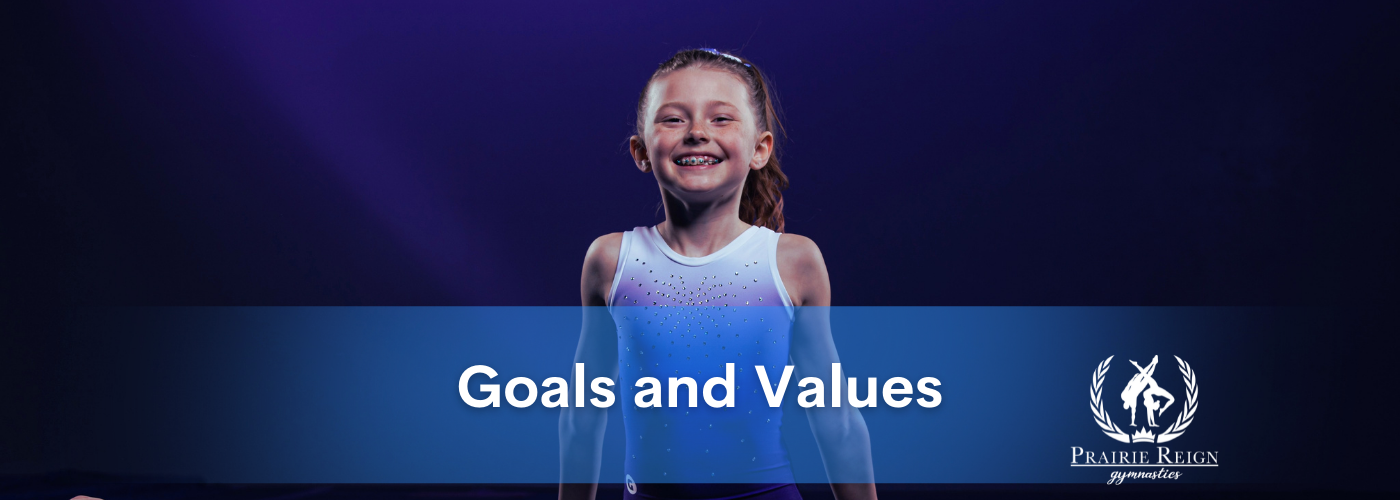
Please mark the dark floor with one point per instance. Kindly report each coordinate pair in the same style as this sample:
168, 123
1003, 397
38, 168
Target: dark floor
65, 485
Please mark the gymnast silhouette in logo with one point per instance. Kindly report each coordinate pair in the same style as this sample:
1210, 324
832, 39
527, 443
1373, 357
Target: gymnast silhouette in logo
1143, 384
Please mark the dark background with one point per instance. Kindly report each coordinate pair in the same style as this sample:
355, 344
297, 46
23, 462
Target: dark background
466, 153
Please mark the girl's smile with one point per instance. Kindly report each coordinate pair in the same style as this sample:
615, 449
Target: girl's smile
697, 161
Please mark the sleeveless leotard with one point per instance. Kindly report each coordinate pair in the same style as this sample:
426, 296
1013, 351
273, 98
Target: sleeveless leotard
681, 316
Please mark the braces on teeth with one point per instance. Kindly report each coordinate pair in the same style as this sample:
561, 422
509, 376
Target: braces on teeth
696, 161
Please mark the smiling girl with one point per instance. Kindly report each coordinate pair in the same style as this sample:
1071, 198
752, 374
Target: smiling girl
715, 290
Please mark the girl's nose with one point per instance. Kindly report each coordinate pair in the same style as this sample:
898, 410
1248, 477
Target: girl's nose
697, 134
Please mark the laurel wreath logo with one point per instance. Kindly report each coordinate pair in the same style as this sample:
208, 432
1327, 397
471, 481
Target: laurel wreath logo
1183, 420
1096, 405
1189, 412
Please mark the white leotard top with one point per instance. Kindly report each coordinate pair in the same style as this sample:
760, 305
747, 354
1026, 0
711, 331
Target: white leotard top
743, 273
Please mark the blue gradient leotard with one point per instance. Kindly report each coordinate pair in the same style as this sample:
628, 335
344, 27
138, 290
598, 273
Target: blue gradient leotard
681, 316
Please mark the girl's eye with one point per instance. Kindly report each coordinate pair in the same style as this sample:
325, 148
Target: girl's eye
724, 118
671, 120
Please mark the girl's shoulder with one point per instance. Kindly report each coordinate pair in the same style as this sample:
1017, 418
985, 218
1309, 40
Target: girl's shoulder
798, 250
608, 243
803, 270
599, 265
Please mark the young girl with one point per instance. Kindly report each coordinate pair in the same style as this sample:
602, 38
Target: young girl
714, 290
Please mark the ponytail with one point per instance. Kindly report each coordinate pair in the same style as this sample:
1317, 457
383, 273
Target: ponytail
761, 204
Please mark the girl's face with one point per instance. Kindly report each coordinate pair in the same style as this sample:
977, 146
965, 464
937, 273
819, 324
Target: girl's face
701, 134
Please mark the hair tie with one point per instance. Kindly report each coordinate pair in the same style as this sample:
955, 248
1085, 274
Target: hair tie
730, 57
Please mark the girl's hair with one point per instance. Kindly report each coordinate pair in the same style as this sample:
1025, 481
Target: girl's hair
761, 203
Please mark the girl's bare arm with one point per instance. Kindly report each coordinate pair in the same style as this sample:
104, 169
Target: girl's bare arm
581, 429
841, 433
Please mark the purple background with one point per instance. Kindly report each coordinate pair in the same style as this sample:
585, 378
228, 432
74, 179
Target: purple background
466, 153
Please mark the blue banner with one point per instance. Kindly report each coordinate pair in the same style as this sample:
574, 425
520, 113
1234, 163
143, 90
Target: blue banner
965, 395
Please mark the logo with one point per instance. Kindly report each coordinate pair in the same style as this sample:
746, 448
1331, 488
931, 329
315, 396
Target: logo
1143, 391
1146, 403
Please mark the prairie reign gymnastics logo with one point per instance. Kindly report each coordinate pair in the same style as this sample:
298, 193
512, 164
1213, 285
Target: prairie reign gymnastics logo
1155, 400
1146, 397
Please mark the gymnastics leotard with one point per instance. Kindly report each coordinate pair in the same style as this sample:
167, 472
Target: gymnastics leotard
681, 316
